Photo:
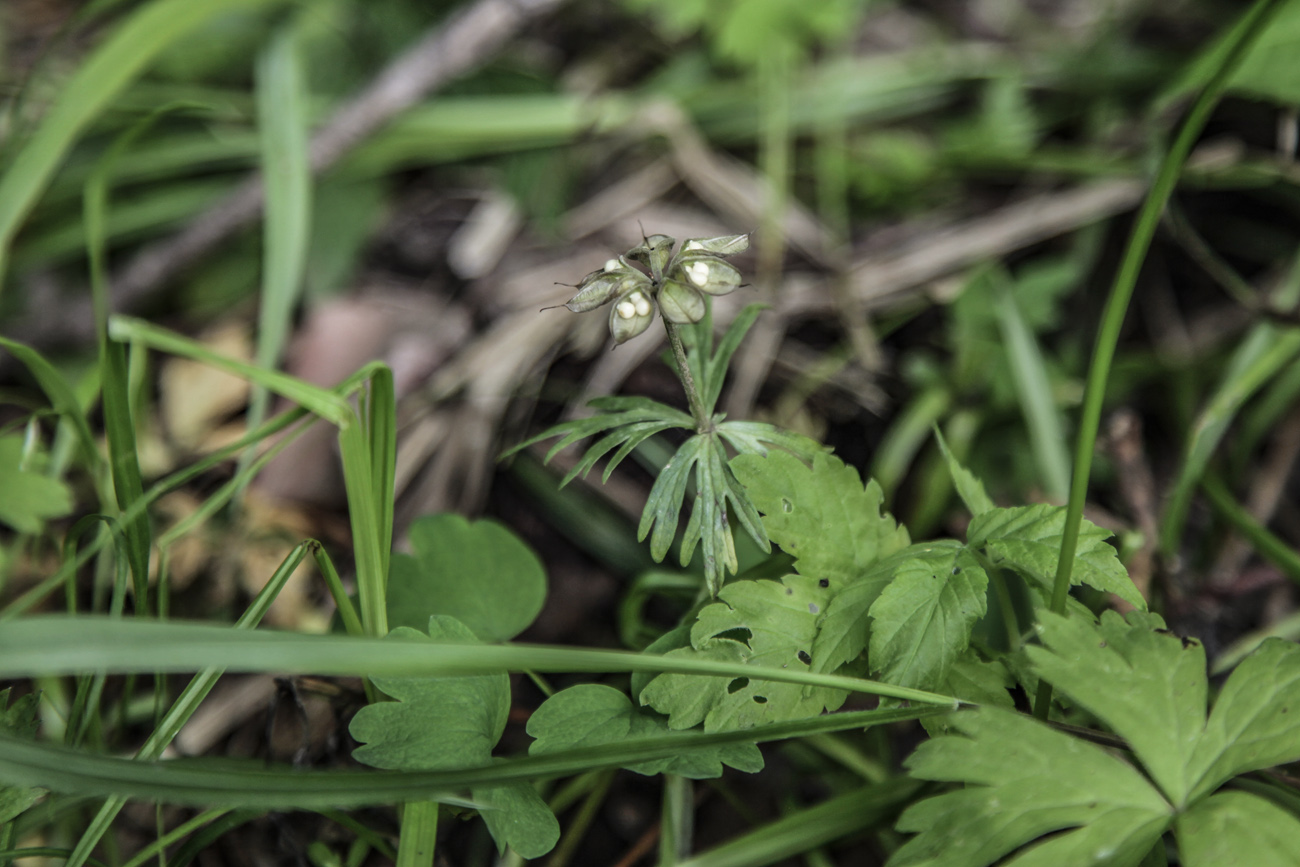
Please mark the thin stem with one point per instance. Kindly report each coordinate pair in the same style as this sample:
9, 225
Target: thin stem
1122, 291
702, 421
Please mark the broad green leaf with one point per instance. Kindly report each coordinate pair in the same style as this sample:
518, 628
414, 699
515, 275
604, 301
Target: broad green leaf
969, 487
435, 722
822, 515
480, 573
922, 621
20, 719
1254, 723
29, 498
452, 722
758, 623
592, 714
518, 818
845, 629
1024, 780
1148, 686
1238, 828
1028, 539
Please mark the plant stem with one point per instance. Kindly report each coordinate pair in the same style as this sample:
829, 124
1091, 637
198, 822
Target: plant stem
702, 421
1121, 292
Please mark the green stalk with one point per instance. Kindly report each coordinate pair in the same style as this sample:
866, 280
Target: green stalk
419, 834
702, 421
1121, 292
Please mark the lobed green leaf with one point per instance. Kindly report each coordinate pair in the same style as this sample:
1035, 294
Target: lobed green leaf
921, 622
823, 515
593, 714
1028, 539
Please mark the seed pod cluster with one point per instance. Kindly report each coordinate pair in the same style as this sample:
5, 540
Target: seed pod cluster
676, 285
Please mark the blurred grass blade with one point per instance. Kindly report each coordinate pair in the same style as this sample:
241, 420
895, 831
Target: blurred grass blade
803, 830
324, 402
187, 703
122, 56
910, 430
1259, 358
1034, 390
1267, 545
251, 784
49, 645
1253, 22
381, 425
61, 396
282, 119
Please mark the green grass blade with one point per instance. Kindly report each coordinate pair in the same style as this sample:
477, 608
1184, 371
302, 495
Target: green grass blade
187, 703
800, 831
282, 120
253, 785
906, 435
1037, 403
326, 403
62, 398
49, 645
120, 59
1260, 357
363, 513
382, 427
1267, 545
1255, 21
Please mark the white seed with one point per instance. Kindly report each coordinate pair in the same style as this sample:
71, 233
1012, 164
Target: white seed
642, 304
626, 309
692, 245
612, 265
698, 273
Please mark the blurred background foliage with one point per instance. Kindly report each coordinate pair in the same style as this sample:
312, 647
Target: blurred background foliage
939, 192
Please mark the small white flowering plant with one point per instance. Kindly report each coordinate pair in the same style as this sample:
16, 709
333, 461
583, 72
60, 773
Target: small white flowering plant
680, 287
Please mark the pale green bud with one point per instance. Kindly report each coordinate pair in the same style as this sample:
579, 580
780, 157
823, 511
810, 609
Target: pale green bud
706, 273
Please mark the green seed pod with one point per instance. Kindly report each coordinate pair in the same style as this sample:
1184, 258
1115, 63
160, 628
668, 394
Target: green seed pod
723, 245
630, 315
654, 252
681, 304
600, 287
706, 273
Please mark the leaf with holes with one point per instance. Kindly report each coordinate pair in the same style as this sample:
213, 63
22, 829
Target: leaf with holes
757, 622
592, 714
822, 514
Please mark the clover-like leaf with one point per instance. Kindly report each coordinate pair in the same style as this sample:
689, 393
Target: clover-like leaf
480, 573
1023, 780
1028, 539
517, 817
30, 498
452, 722
757, 622
435, 722
921, 623
592, 714
823, 514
